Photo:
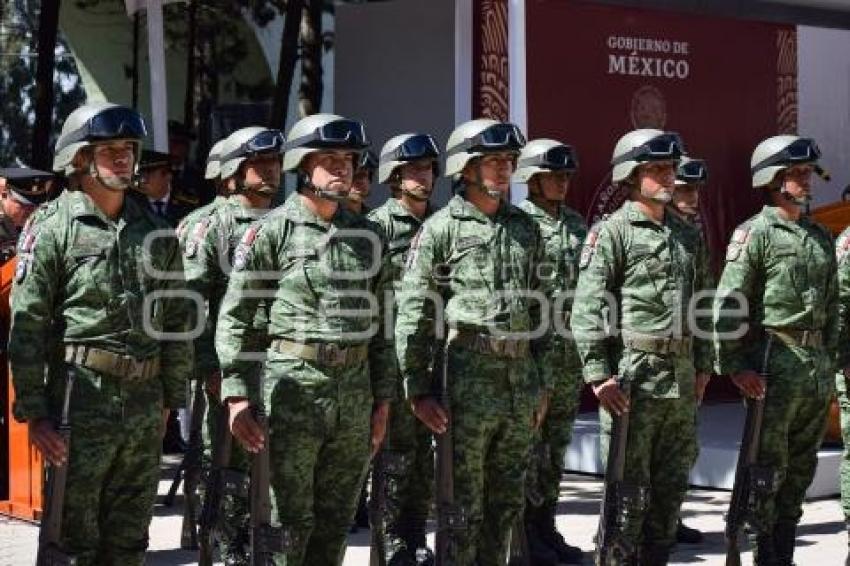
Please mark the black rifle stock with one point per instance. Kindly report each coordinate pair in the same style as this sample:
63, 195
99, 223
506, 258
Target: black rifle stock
450, 518
50, 552
377, 506
619, 498
215, 487
266, 540
750, 478
192, 471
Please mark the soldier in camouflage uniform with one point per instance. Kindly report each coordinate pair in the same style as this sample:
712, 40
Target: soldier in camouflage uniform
691, 177
842, 377
645, 265
327, 374
781, 265
409, 165
251, 160
475, 263
206, 373
547, 166
81, 299
361, 186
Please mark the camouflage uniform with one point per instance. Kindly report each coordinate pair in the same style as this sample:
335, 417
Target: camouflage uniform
408, 443
325, 364
209, 251
787, 272
98, 304
652, 270
492, 263
842, 245
563, 236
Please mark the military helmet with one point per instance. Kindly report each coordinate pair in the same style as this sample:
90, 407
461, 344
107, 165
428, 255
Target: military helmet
213, 168
94, 122
642, 146
542, 156
322, 131
245, 143
691, 171
778, 153
404, 148
475, 138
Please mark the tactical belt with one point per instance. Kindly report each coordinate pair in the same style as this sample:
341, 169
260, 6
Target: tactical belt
110, 363
796, 337
499, 346
665, 345
325, 353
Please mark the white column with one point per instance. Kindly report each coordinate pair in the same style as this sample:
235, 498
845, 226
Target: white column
463, 60
156, 57
516, 76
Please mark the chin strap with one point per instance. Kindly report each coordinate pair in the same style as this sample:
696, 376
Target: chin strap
95, 174
323, 192
799, 201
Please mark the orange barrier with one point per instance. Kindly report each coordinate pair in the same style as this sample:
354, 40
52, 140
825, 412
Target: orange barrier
25, 463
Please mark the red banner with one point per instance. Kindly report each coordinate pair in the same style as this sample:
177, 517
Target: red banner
595, 72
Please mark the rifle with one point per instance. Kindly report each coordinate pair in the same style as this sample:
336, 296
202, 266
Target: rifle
377, 505
50, 552
450, 518
619, 498
191, 462
215, 487
387, 462
266, 540
518, 551
192, 471
750, 478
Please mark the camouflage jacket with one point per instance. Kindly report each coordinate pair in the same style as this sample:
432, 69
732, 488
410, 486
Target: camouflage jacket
208, 255
787, 272
85, 279
399, 226
562, 237
485, 271
318, 280
639, 277
842, 257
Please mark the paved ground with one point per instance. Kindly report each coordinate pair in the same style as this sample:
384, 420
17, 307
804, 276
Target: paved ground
821, 539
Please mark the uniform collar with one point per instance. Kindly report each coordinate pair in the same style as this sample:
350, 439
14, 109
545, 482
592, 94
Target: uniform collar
773, 216
459, 207
398, 210
82, 205
298, 211
636, 216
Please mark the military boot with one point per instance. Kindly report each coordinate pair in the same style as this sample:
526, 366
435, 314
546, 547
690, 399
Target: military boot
654, 555
764, 553
686, 534
540, 553
544, 519
784, 538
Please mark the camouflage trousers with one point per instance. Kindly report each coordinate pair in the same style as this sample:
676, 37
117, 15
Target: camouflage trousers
409, 480
799, 390
492, 403
232, 528
113, 467
543, 482
844, 405
319, 420
659, 453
